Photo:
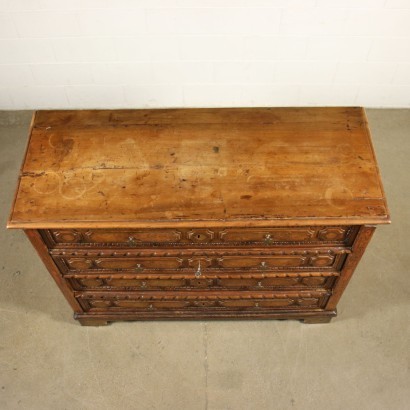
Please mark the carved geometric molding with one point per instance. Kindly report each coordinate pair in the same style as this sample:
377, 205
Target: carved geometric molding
332, 234
104, 238
91, 283
80, 263
172, 237
200, 235
178, 235
168, 263
201, 296
200, 252
151, 302
322, 260
205, 262
155, 282
242, 303
88, 235
67, 236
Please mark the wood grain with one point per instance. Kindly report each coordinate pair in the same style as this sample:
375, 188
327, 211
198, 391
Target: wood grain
253, 167
200, 213
37, 242
360, 244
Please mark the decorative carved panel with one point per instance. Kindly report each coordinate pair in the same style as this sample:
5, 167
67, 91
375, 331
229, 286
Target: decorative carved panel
201, 235
333, 233
168, 237
267, 235
215, 301
322, 260
67, 236
214, 281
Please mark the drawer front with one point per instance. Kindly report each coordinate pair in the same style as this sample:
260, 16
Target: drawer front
341, 235
115, 237
199, 262
121, 264
105, 302
315, 280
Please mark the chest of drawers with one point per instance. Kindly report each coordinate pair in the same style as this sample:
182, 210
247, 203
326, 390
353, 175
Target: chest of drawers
200, 213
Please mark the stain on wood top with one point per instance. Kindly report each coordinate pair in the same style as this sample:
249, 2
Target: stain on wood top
199, 167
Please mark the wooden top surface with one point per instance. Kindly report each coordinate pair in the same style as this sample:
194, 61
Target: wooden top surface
199, 167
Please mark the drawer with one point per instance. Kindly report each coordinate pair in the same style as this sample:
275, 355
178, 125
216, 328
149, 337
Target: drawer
341, 235
259, 282
133, 302
197, 262
324, 280
109, 237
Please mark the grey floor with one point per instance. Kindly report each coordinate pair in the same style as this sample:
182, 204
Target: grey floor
361, 360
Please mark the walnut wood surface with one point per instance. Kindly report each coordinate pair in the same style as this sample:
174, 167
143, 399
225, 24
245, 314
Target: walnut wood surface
200, 213
359, 246
269, 237
37, 242
199, 167
308, 316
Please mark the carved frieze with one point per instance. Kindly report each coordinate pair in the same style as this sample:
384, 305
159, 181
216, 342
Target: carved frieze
199, 236
200, 263
214, 281
252, 301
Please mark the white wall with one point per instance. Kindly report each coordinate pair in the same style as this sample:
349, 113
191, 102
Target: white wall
159, 53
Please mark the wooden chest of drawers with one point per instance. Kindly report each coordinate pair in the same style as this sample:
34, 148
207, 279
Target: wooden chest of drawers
200, 213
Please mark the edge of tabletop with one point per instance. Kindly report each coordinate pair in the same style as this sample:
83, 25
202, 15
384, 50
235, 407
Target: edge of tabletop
379, 177
10, 218
175, 224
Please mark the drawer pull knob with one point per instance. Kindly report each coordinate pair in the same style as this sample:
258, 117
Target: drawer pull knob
198, 272
264, 265
260, 284
131, 240
143, 284
268, 238
139, 268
